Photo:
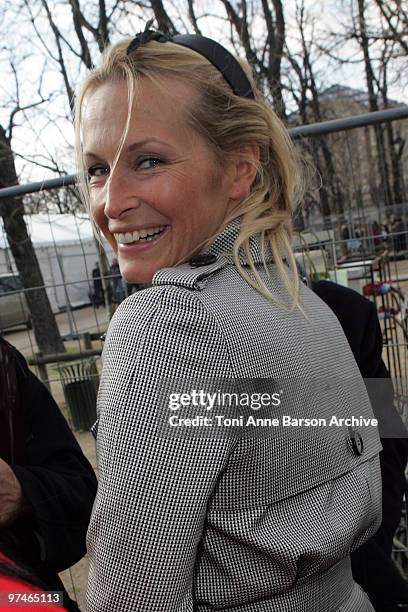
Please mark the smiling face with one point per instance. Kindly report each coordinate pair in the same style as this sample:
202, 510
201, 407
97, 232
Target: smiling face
166, 195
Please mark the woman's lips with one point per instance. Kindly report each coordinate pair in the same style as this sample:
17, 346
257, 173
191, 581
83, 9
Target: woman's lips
141, 245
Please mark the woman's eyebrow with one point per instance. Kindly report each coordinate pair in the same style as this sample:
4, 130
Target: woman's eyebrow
133, 146
141, 143
89, 154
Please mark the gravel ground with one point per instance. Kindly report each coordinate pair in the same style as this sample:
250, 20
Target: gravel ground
86, 319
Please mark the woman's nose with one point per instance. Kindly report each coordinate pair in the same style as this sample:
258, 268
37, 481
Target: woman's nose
120, 195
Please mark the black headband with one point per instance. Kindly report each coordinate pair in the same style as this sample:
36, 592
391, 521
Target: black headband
215, 53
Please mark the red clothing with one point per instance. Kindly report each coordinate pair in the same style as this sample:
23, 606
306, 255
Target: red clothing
9, 585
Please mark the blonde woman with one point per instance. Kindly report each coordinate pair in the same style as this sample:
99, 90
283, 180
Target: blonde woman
192, 180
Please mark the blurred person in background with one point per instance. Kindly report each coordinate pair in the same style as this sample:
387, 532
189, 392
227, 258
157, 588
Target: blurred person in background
117, 282
97, 296
400, 239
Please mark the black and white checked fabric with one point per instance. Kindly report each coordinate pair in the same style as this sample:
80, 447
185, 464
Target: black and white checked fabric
257, 524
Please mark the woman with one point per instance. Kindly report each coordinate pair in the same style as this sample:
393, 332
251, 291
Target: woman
192, 182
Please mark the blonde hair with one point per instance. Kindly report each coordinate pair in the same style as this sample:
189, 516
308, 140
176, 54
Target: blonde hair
226, 121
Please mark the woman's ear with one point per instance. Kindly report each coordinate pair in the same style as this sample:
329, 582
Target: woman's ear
244, 165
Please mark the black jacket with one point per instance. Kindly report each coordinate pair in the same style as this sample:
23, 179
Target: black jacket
372, 566
58, 482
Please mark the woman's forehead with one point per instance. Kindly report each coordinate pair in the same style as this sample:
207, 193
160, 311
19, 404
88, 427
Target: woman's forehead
158, 111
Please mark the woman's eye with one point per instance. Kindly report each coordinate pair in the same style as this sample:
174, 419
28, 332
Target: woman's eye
149, 162
97, 171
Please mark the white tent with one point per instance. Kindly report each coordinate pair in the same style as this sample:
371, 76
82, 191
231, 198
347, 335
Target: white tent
66, 252
50, 229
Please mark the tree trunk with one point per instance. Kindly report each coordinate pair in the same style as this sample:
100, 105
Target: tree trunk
373, 105
395, 155
325, 207
277, 41
372, 184
332, 187
395, 148
12, 211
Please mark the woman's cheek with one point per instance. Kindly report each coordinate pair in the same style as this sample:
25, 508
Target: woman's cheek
98, 215
101, 222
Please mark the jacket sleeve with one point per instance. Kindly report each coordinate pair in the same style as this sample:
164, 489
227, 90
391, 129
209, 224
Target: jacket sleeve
154, 483
57, 480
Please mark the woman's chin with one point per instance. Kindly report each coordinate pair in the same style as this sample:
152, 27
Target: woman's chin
137, 276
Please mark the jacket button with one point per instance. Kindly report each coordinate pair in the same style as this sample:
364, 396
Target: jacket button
205, 259
356, 441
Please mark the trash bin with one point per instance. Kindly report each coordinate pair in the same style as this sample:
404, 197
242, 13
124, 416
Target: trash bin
80, 382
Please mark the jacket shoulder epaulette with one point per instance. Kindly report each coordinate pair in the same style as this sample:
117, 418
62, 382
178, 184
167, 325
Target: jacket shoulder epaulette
193, 274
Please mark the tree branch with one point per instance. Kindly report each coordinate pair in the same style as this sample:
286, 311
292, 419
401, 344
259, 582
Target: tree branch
57, 36
192, 16
397, 36
164, 22
79, 21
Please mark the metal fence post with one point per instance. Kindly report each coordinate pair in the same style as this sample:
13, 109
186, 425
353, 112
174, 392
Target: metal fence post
42, 370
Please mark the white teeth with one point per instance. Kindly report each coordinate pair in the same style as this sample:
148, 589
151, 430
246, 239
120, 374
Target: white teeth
146, 234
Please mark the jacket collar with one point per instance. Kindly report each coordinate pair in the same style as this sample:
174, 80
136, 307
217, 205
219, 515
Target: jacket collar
223, 244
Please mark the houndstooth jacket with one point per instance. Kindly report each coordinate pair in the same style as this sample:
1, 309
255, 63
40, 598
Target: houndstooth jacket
197, 520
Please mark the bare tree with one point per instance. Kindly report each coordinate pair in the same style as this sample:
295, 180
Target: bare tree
395, 14
265, 56
389, 33
164, 22
395, 141
99, 34
306, 93
12, 212
378, 30
364, 41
